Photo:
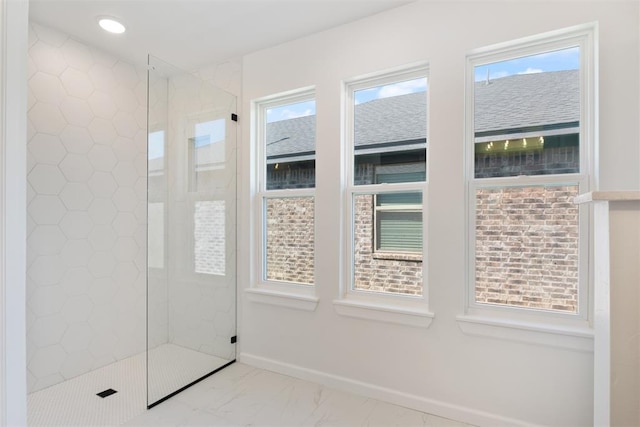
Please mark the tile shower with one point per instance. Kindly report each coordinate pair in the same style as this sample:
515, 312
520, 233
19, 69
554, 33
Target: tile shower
87, 209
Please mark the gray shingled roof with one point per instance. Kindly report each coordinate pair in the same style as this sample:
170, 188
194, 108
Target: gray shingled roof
514, 102
291, 136
399, 118
527, 100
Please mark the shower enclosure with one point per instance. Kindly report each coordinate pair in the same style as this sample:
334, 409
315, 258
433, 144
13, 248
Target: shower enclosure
191, 282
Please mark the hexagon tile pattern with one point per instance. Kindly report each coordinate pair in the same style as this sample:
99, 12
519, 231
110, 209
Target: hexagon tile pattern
84, 257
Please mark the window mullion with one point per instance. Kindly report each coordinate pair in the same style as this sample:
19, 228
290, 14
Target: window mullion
283, 194
525, 181
389, 188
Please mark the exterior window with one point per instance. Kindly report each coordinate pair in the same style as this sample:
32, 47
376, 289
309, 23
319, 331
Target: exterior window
387, 147
287, 189
527, 157
398, 217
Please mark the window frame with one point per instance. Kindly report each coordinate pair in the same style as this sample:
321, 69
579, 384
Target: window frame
378, 213
405, 208
289, 294
411, 310
482, 315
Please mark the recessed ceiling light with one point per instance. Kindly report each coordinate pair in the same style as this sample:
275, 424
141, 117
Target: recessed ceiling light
111, 25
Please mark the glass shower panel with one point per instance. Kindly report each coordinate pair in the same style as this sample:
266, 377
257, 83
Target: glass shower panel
191, 319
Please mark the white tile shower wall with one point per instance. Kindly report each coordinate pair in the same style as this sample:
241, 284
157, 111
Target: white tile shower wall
87, 208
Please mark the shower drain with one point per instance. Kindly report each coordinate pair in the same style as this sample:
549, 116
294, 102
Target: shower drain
106, 393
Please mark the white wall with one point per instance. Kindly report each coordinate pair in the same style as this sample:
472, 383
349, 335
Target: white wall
13, 100
440, 369
86, 246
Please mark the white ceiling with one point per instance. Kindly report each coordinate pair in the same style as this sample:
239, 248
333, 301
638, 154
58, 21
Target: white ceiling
191, 33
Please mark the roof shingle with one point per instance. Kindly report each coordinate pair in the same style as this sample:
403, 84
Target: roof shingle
515, 102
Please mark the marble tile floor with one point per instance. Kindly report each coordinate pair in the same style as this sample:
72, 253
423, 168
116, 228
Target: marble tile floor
238, 395
241, 395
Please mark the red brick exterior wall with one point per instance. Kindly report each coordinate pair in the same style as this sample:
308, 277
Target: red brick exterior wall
290, 252
395, 273
290, 239
527, 247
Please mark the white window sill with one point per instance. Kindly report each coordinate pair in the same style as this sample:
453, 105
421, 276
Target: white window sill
283, 299
568, 337
390, 313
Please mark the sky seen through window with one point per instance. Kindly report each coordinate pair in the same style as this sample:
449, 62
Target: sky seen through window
558, 60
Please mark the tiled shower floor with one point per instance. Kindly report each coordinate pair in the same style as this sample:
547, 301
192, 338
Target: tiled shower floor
74, 402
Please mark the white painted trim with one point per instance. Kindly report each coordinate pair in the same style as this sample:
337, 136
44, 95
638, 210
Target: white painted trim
13, 175
4, 386
601, 317
611, 196
412, 401
602, 380
381, 312
553, 335
283, 299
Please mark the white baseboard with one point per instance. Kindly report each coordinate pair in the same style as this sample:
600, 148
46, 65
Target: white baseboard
418, 403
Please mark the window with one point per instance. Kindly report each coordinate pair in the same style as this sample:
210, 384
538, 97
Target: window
398, 217
386, 143
528, 155
286, 194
